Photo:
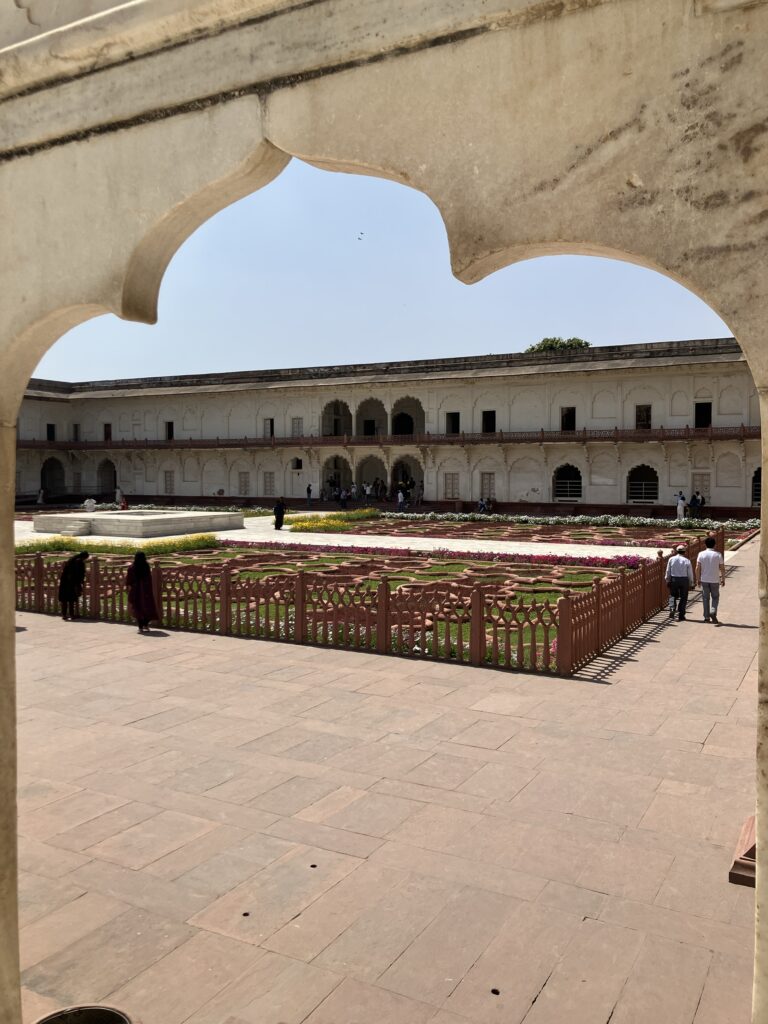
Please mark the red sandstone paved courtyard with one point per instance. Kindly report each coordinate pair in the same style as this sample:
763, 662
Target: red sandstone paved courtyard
403, 838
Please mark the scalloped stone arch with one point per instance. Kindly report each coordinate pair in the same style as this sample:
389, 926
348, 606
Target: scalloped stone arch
447, 107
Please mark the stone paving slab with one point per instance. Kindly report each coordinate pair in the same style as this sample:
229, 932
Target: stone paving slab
224, 831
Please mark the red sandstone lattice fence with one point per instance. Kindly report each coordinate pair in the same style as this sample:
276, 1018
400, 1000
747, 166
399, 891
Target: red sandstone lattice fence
448, 621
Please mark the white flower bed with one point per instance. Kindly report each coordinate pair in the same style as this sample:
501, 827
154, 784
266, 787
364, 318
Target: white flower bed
479, 517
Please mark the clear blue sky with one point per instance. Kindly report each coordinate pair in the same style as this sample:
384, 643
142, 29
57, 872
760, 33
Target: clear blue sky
323, 268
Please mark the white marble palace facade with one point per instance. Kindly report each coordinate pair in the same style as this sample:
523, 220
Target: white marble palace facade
629, 424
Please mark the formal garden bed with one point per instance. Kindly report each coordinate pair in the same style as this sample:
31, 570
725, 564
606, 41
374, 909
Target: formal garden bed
541, 613
608, 531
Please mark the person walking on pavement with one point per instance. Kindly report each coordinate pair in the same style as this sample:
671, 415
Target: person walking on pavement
710, 574
141, 597
679, 576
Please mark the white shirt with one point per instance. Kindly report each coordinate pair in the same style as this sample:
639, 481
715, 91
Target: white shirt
680, 499
709, 563
679, 567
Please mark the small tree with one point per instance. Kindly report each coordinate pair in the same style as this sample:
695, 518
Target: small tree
558, 345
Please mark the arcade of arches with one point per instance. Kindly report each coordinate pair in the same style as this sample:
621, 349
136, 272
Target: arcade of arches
143, 122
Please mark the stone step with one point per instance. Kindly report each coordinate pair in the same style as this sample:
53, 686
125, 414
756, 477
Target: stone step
77, 528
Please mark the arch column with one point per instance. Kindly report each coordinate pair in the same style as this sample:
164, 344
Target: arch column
10, 995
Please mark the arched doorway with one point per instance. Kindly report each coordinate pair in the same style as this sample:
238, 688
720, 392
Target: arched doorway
566, 483
52, 478
106, 478
336, 420
757, 484
642, 484
371, 418
369, 470
336, 475
407, 417
407, 473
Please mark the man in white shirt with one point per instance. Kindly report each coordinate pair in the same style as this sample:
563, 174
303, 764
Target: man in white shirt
710, 574
680, 503
679, 576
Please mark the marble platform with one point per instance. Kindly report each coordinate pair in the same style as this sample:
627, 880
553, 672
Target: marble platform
139, 523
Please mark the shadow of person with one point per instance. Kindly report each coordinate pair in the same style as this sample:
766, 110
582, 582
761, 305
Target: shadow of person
156, 632
21, 629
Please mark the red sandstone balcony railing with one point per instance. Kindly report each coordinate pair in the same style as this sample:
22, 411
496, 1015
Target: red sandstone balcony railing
740, 432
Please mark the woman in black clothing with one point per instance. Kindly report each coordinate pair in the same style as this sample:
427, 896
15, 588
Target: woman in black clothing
71, 585
279, 511
141, 598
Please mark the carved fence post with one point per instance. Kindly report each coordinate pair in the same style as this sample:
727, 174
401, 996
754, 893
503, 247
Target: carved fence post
644, 578
477, 628
157, 591
382, 617
662, 565
624, 602
599, 613
94, 597
720, 540
565, 636
300, 610
39, 595
225, 601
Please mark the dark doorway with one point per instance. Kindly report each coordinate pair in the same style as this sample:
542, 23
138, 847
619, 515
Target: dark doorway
452, 423
702, 415
402, 424
566, 483
489, 421
642, 484
52, 478
568, 418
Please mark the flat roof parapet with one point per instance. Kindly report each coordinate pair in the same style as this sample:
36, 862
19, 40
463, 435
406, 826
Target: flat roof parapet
682, 350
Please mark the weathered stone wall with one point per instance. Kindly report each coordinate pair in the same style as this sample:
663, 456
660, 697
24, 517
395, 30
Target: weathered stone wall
624, 128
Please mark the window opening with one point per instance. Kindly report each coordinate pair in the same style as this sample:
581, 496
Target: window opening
488, 486
643, 417
568, 417
451, 486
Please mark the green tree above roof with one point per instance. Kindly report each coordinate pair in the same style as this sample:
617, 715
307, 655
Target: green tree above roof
558, 345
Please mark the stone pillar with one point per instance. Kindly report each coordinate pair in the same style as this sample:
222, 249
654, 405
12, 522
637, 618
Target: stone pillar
760, 980
10, 1004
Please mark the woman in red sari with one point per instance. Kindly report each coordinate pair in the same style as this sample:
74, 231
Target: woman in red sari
141, 599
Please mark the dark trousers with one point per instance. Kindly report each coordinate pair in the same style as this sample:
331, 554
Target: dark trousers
69, 610
678, 587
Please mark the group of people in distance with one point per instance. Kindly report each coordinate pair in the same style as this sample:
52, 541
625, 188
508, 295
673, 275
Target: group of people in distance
709, 575
692, 508
138, 579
